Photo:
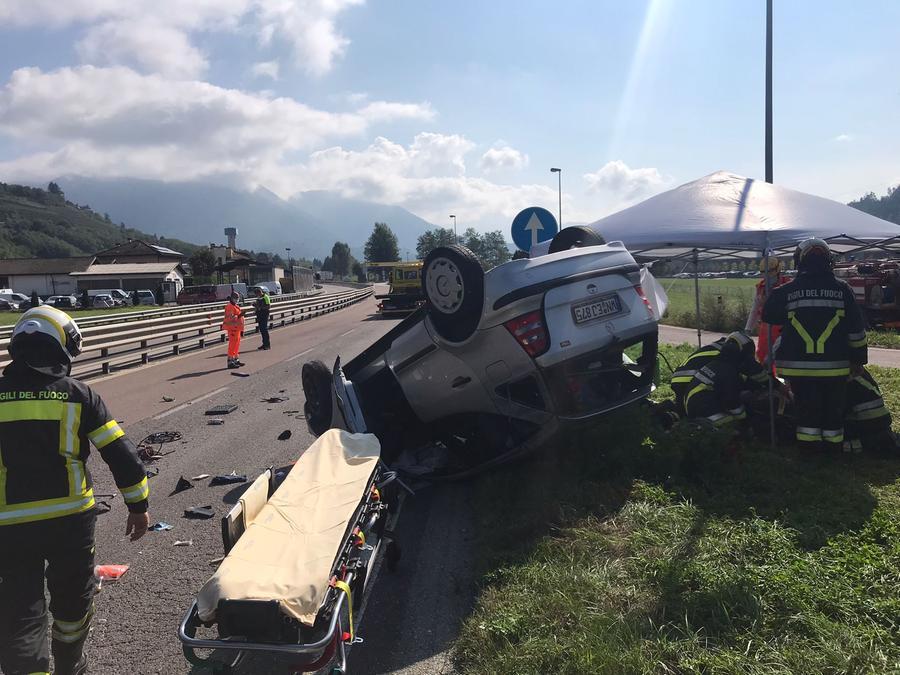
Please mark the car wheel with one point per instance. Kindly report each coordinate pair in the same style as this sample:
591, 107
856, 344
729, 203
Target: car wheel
316, 379
576, 236
453, 285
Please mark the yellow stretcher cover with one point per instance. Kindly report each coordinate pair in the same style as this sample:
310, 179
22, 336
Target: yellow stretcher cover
287, 552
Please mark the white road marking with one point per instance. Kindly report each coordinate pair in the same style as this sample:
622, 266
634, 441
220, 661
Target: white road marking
347, 333
297, 356
190, 403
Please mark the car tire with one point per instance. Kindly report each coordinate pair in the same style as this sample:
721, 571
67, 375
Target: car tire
318, 408
453, 286
576, 236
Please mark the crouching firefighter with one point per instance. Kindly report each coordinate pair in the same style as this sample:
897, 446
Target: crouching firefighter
716, 389
47, 514
823, 340
747, 366
867, 423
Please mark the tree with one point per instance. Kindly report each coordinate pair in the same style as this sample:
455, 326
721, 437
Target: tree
328, 264
341, 258
494, 249
202, 263
358, 271
316, 264
382, 245
54, 189
430, 240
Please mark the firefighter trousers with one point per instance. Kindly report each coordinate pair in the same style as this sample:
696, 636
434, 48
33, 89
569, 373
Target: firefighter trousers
262, 322
234, 343
819, 403
62, 549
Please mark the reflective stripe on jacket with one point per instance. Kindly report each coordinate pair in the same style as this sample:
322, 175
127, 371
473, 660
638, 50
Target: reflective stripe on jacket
234, 318
822, 327
46, 427
865, 405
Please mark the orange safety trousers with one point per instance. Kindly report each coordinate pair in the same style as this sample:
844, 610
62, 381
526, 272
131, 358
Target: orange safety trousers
234, 343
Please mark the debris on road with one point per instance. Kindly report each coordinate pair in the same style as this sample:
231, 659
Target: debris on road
216, 421
276, 399
216, 561
284, 435
290, 412
200, 476
160, 527
227, 480
187, 542
151, 472
182, 485
148, 453
241, 374
203, 512
223, 409
109, 572
168, 399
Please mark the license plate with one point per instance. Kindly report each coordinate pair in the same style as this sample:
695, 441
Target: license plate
597, 309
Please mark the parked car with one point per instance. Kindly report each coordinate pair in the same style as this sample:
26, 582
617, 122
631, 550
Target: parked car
63, 301
14, 298
497, 362
146, 297
8, 306
27, 304
103, 301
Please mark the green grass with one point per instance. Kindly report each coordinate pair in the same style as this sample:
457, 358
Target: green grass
10, 318
632, 550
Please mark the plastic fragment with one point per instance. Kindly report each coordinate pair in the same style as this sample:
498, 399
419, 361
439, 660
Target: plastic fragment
168, 399
200, 476
109, 572
186, 542
182, 485
227, 480
216, 421
203, 512
160, 527
284, 435
241, 374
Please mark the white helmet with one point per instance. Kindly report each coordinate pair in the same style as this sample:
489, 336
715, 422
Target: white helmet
41, 328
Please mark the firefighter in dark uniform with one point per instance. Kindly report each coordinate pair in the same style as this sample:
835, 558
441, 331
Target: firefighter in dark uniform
867, 422
823, 341
47, 514
716, 390
748, 367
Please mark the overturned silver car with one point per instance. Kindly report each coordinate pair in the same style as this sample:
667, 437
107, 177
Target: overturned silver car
496, 362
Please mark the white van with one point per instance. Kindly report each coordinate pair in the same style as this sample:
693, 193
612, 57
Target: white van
273, 287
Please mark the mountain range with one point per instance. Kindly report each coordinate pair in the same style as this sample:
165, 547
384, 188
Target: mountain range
309, 222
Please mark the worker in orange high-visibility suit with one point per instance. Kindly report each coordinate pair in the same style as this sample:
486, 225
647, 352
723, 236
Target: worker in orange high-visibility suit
754, 321
233, 325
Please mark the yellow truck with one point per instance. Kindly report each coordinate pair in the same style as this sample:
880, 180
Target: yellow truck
405, 293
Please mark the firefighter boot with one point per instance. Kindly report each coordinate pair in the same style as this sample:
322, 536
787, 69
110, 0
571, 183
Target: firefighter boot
68, 657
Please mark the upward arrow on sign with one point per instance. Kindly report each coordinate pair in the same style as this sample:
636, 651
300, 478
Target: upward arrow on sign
534, 224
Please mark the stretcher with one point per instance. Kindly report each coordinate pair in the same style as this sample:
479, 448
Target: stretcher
298, 558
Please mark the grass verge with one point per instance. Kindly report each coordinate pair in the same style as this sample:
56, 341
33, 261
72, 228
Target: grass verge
631, 550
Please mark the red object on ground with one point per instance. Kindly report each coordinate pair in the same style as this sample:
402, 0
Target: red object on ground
109, 572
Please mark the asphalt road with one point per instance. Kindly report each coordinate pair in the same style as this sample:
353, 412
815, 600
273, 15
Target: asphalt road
137, 616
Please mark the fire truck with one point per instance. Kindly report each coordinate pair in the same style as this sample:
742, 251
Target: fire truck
876, 287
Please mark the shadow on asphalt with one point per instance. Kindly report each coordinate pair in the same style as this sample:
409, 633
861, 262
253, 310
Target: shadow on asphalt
198, 373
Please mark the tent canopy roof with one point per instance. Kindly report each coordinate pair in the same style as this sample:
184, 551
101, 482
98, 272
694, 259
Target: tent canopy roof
725, 215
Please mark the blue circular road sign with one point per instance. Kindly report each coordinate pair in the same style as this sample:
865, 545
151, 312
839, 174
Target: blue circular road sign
532, 226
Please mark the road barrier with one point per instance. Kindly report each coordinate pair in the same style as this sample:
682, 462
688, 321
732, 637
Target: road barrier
125, 340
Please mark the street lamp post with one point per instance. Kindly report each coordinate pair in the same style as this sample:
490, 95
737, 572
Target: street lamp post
288, 251
455, 235
769, 176
558, 172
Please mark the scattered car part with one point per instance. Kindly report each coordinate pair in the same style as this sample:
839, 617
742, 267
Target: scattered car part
200, 476
223, 409
284, 435
203, 512
160, 527
182, 485
109, 572
227, 479
187, 542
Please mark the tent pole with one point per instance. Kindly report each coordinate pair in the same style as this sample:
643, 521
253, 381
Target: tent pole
770, 356
697, 296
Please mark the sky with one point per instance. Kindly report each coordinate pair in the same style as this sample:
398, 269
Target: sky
451, 107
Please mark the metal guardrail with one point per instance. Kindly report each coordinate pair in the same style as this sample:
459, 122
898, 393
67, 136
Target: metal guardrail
113, 345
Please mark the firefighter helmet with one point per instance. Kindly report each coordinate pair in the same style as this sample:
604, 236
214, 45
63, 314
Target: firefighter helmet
811, 250
43, 327
739, 345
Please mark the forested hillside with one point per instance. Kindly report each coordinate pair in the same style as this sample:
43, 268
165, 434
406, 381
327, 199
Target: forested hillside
887, 207
44, 224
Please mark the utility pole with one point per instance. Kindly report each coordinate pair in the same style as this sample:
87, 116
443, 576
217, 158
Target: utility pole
769, 177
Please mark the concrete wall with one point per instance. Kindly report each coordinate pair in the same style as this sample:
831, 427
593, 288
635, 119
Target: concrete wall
44, 284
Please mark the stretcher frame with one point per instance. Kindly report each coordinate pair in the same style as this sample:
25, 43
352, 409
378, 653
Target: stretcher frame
373, 518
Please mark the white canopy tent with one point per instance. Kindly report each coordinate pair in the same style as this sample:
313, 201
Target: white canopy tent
725, 215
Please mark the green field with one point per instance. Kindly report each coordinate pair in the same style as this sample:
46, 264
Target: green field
631, 550
10, 318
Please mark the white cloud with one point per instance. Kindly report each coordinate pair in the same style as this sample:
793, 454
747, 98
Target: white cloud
503, 157
616, 179
843, 138
155, 35
265, 69
116, 122
381, 111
